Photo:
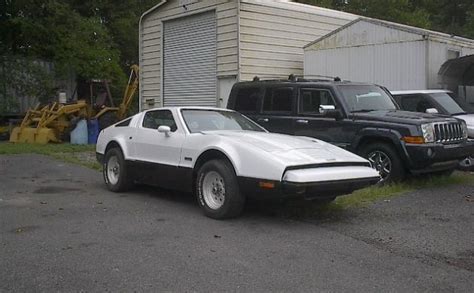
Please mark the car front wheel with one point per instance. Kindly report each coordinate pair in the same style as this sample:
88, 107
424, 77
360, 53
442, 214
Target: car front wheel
115, 172
218, 191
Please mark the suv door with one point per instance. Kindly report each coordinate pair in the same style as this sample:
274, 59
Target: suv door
310, 122
278, 109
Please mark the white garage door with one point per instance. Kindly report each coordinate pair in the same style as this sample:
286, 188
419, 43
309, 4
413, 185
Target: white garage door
189, 63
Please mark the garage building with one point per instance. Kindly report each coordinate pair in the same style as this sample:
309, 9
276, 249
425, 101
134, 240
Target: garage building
397, 56
194, 51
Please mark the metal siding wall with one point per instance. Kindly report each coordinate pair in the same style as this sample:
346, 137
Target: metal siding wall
150, 44
398, 66
274, 33
189, 67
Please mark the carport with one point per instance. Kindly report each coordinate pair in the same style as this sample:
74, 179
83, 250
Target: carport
458, 75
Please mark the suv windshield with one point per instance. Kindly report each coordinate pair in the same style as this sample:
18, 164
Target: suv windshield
211, 120
366, 98
448, 103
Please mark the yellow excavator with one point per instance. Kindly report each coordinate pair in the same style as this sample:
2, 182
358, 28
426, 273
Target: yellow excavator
49, 123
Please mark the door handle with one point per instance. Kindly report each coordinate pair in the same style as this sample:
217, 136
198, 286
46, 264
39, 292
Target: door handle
263, 120
302, 121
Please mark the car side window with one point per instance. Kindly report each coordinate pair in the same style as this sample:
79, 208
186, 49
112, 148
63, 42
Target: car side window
278, 100
247, 100
155, 119
311, 99
415, 103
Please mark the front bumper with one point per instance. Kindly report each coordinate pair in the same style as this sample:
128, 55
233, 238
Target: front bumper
309, 190
437, 157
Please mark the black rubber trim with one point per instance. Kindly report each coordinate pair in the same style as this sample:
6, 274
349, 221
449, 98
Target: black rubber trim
323, 165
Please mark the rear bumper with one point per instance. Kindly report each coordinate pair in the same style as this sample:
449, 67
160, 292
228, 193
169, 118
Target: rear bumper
251, 187
100, 157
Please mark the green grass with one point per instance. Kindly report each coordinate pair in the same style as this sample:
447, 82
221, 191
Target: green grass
372, 194
70, 153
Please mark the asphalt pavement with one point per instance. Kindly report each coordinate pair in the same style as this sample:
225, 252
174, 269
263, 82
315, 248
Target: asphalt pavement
61, 230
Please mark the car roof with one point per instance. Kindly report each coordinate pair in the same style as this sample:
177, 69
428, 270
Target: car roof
409, 92
179, 108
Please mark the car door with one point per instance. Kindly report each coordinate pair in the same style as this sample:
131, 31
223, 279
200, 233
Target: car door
157, 148
310, 122
278, 109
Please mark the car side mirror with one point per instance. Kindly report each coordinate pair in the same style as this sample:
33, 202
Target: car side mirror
164, 129
432, 111
330, 111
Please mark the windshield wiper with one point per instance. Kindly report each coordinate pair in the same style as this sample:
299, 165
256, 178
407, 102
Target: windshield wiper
363, 111
460, 113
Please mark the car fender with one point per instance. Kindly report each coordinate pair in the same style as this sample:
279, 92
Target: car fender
109, 136
390, 135
246, 160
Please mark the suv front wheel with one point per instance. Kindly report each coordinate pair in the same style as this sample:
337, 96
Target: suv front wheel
384, 158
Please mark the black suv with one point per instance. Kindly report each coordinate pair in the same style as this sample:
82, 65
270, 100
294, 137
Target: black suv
360, 117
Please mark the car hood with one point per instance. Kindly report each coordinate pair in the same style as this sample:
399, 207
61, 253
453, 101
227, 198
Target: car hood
292, 150
402, 117
469, 118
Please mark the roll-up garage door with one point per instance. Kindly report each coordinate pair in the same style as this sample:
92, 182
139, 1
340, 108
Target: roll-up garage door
189, 63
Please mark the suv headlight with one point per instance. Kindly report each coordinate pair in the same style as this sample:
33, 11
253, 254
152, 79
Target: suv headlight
464, 129
428, 132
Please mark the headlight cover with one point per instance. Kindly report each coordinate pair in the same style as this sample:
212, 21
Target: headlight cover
464, 129
428, 132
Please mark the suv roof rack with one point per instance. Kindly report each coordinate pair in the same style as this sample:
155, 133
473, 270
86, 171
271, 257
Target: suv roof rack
295, 78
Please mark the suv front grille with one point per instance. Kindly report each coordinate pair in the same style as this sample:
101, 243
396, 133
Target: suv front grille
448, 132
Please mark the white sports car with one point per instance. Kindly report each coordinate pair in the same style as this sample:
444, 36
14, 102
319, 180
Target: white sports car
224, 157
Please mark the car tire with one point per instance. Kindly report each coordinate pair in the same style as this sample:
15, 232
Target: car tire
217, 190
115, 171
379, 155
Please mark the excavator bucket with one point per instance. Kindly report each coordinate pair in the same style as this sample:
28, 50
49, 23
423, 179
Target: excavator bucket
33, 135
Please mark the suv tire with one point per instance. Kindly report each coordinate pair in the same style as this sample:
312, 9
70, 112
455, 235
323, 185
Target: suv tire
385, 159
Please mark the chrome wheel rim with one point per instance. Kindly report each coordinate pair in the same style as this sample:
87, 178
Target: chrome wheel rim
381, 162
213, 190
113, 170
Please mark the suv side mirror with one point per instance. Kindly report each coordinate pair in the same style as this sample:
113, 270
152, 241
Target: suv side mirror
432, 111
330, 111
164, 129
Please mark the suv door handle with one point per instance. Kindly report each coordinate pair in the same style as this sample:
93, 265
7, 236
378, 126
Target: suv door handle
262, 120
302, 121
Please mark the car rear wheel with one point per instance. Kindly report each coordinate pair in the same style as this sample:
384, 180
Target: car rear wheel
115, 172
218, 191
385, 159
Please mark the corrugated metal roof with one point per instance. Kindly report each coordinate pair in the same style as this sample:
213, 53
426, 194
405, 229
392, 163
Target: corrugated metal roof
393, 25
398, 26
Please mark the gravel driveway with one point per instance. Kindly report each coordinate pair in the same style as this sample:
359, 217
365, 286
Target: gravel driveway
61, 230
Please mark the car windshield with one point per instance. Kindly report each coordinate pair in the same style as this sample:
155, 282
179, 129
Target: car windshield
211, 120
366, 98
448, 103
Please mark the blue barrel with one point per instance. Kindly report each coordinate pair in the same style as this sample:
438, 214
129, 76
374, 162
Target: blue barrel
79, 134
93, 129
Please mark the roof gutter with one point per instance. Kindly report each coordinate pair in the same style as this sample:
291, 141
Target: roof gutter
140, 49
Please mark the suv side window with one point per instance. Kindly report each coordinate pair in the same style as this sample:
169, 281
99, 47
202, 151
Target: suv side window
415, 103
247, 100
155, 119
279, 100
311, 99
